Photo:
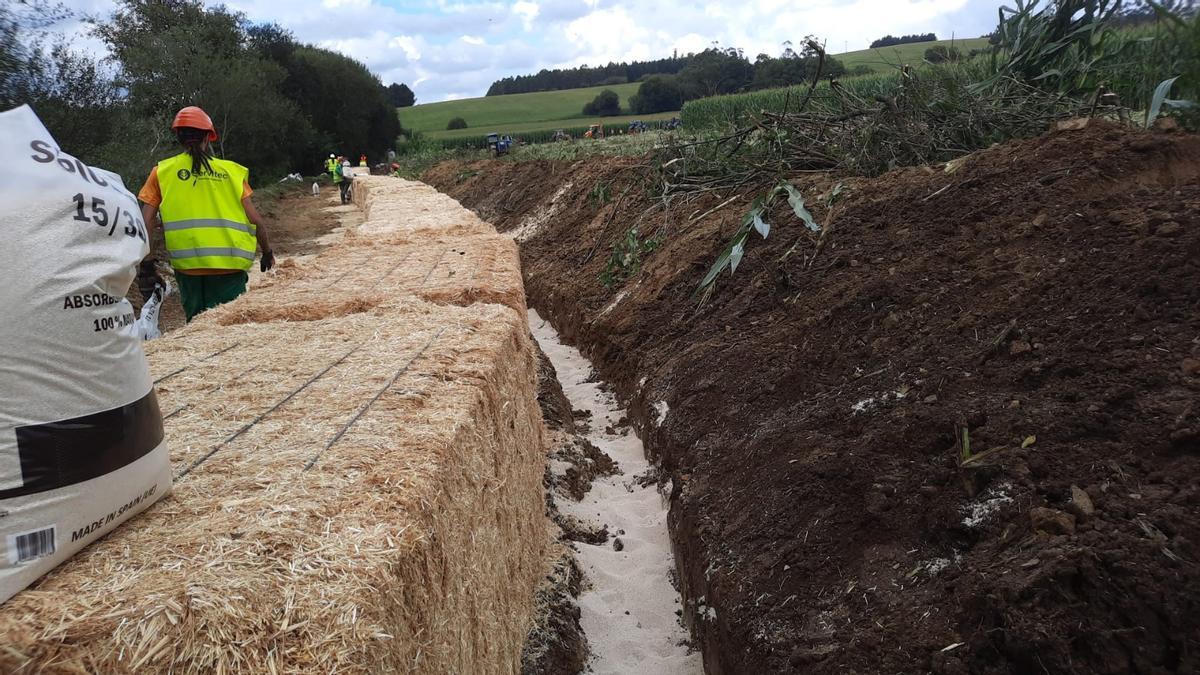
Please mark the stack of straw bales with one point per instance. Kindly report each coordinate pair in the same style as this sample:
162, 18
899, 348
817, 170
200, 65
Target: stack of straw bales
358, 459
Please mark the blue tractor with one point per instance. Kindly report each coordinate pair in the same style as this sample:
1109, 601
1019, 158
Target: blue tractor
498, 144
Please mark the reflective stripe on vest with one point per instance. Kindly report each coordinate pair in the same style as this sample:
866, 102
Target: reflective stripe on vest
210, 222
211, 253
204, 222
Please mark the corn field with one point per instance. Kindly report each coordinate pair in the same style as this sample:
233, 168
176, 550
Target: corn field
1068, 47
530, 137
734, 109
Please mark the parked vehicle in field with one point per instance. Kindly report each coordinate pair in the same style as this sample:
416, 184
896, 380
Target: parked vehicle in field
561, 135
594, 131
498, 144
673, 123
638, 127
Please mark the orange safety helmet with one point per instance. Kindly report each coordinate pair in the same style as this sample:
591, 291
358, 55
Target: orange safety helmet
193, 117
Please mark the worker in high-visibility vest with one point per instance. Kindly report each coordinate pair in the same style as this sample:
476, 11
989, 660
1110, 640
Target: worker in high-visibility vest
210, 225
339, 180
362, 160
331, 164
346, 174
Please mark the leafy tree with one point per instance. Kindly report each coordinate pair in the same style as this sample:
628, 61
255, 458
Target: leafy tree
658, 93
586, 76
325, 83
72, 95
793, 68
715, 71
606, 104
400, 95
277, 105
942, 54
456, 123
21, 38
71, 92
175, 53
889, 41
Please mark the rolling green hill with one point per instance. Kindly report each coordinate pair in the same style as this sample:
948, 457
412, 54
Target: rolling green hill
548, 110
517, 128
502, 113
887, 58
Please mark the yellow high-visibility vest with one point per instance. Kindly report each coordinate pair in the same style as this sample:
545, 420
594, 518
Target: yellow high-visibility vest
204, 222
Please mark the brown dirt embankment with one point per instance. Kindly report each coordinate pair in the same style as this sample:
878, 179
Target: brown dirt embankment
1044, 296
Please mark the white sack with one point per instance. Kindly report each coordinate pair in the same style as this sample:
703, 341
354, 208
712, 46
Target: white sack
81, 439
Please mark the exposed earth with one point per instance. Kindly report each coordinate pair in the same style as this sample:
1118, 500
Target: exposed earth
961, 434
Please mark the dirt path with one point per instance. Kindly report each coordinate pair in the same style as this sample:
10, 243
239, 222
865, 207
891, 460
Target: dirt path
629, 605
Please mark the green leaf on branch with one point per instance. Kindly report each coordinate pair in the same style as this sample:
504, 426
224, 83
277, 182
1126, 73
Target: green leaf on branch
735, 255
797, 202
761, 226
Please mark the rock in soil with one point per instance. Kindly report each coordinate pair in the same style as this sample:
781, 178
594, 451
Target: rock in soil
1081, 503
1049, 521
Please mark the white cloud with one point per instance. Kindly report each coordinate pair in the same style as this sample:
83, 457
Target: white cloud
409, 44
456, 48
528, 11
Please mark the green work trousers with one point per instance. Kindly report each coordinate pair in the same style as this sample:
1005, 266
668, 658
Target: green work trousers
199, 292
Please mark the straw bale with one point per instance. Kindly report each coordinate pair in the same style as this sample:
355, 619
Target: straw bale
364, 271
413, 544
397, 205
359, 492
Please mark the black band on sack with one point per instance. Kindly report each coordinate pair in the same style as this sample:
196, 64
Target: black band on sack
66, 452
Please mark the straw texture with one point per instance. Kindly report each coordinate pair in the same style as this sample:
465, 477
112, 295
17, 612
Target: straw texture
358, 482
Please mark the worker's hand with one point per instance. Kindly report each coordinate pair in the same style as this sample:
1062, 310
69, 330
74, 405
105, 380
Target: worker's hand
268, 260
148, 278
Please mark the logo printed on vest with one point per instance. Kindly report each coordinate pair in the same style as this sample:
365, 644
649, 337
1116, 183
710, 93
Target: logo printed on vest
184, 174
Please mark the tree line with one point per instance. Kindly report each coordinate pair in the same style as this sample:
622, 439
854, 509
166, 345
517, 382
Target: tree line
400, 95
716, 71
586, 76
891, 41
278, 105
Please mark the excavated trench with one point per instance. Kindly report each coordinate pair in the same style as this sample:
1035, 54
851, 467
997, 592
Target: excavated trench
613, 509
1038, 298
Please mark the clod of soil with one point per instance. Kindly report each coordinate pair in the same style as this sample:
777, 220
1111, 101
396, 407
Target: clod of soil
586, 463
556, 645
556, 409
1044, 297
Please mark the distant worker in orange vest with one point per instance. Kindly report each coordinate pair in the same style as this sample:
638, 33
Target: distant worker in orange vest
362, 160
210, 225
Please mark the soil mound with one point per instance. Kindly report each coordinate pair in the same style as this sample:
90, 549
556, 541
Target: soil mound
964, 436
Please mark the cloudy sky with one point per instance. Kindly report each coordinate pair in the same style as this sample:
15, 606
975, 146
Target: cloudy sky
446, 49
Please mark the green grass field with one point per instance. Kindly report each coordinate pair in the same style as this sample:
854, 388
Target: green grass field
503, 114
548, 110
887, 58
517, 128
